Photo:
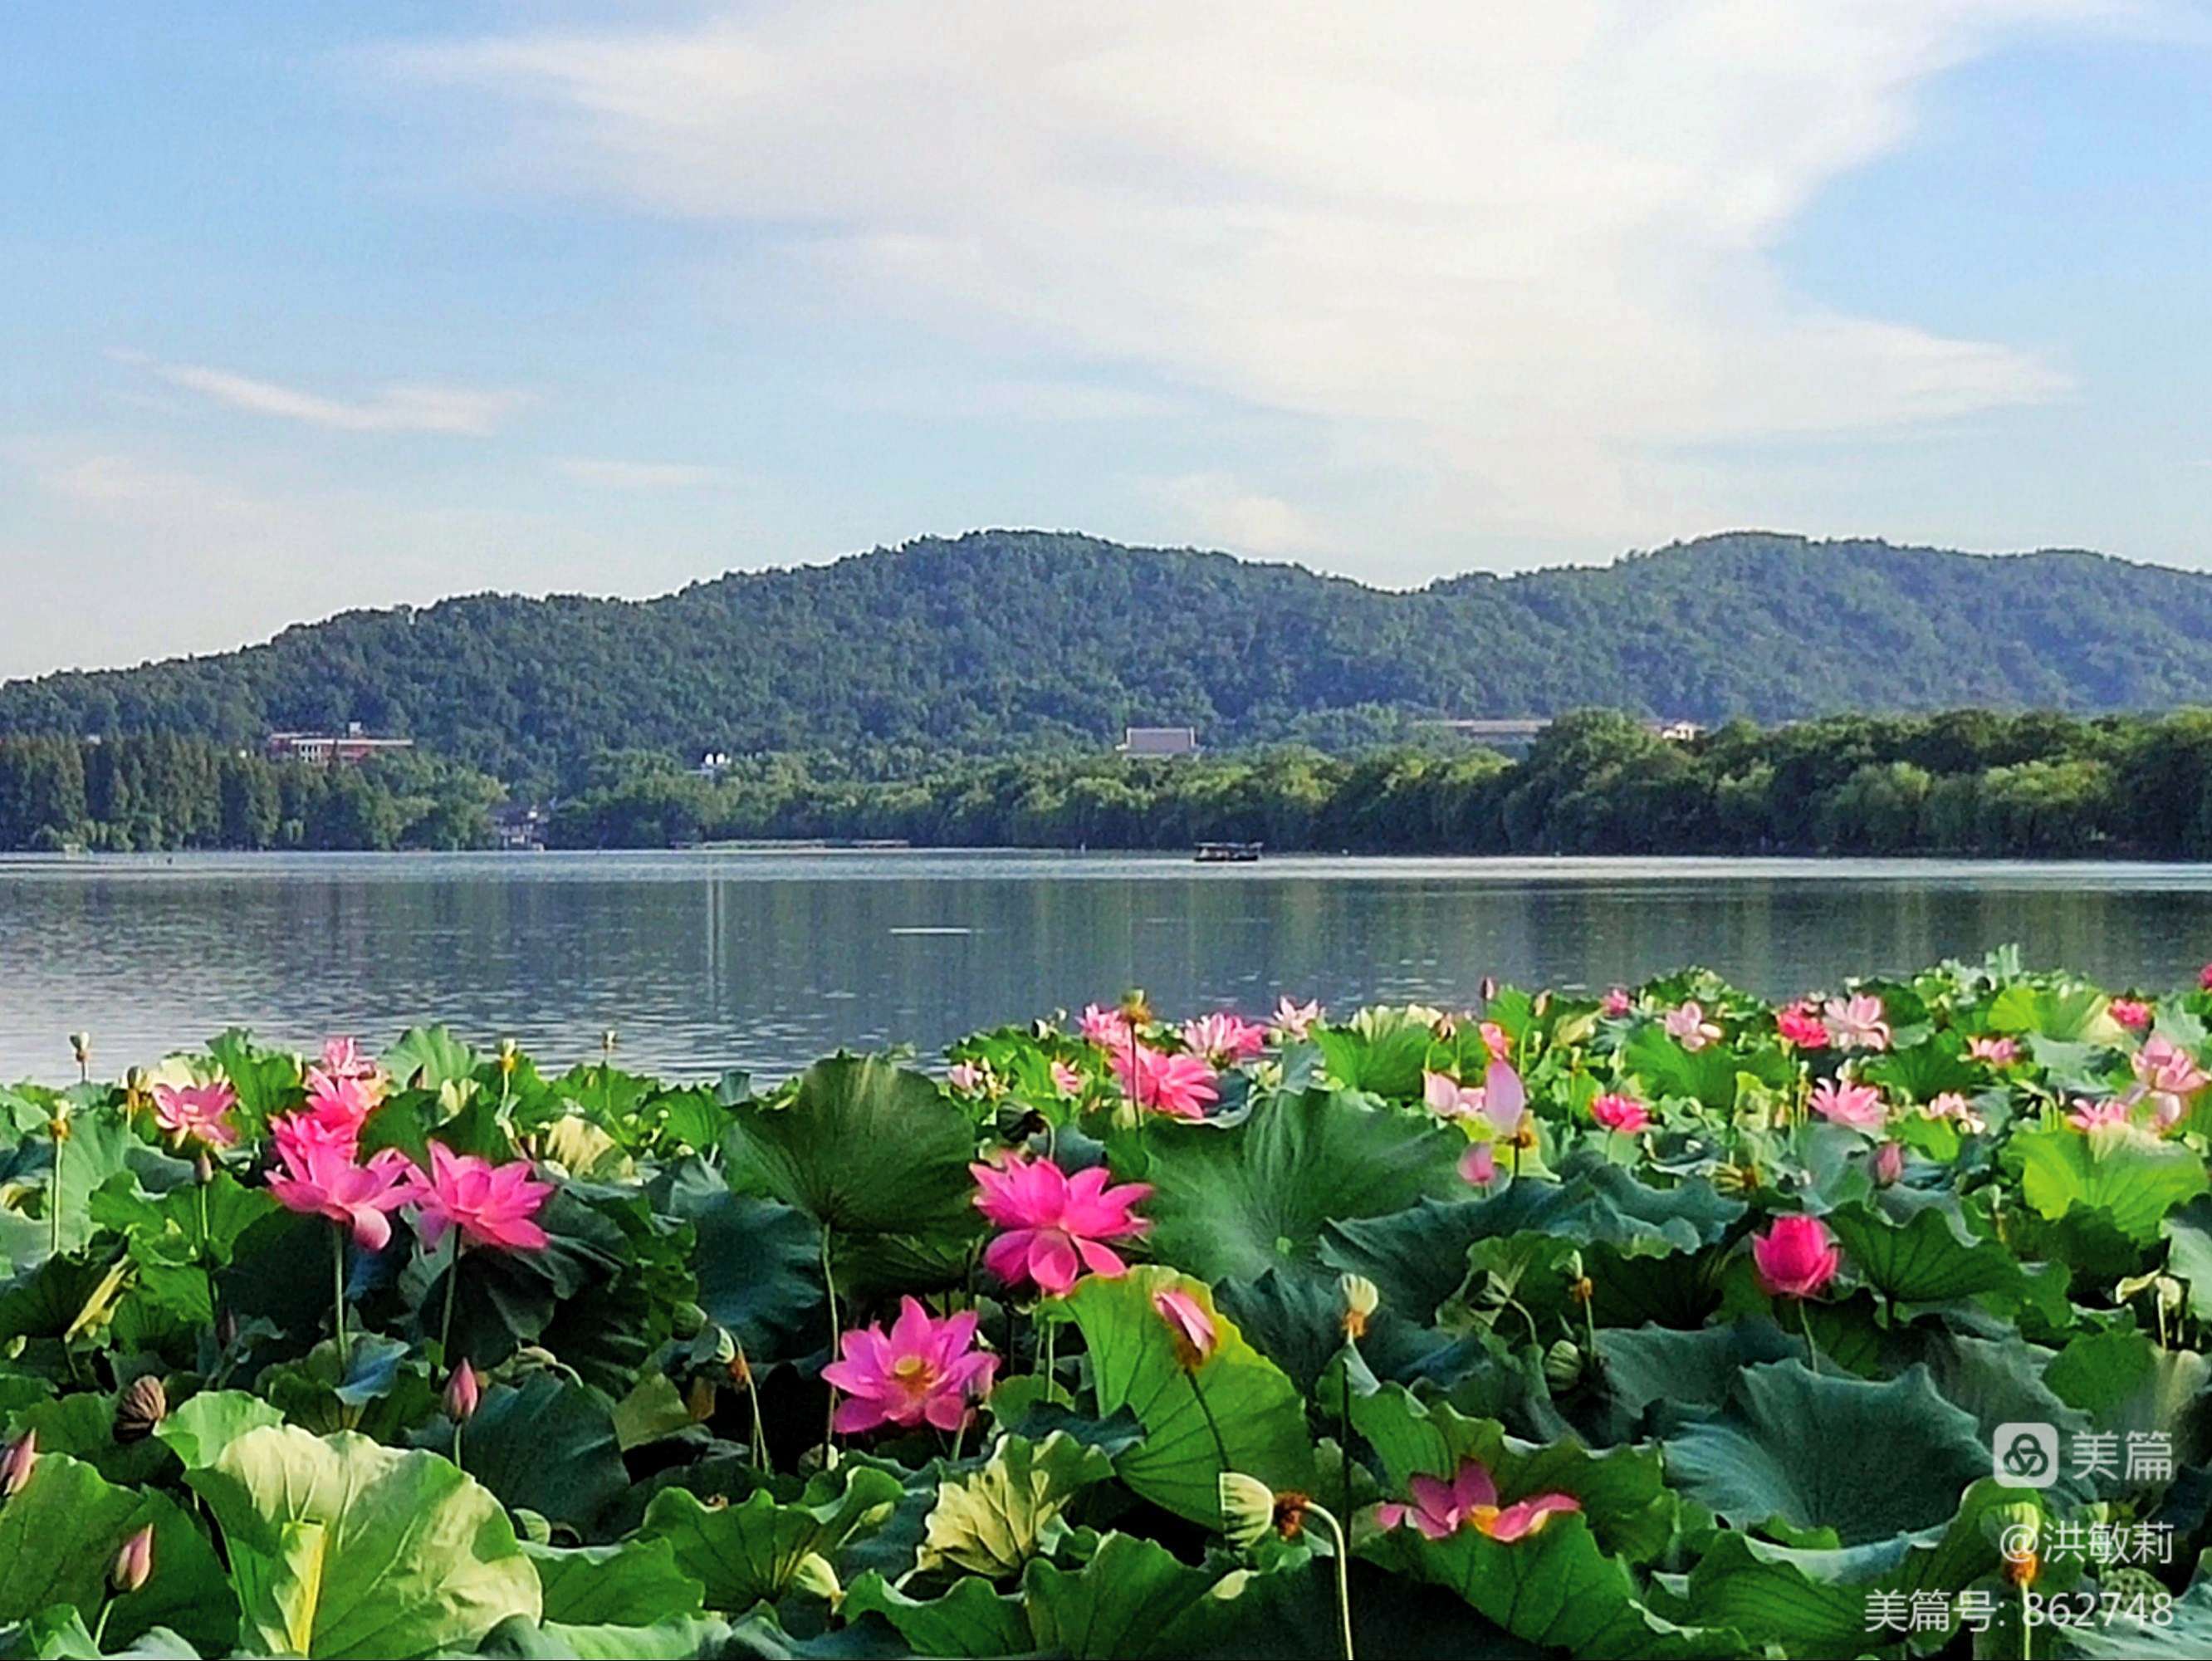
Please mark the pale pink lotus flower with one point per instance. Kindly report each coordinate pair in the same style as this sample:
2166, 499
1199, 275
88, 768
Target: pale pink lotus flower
1225, 1037
342, 1059
17, 1462
1888, 1163
1107, 1028
1297, 1020
1621, 1113
1068, 1082
1860, 1106
1505, 1101
1447, 1098
1797, 1025
2089, 1115
1996, 1051
1951, 1104
494, 1205
197, 1113
967, 1078
2164, 1065
319, 1179
1441, 1509
1615, 1003
1479, 1164
1189, 1326
2131, 1013
1495, 1041
924, 1371
1056, 1225
1857, 1022
1796, 1257
1688, 1026
1181, 1085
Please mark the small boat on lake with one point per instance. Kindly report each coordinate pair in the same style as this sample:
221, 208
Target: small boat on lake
1228, 853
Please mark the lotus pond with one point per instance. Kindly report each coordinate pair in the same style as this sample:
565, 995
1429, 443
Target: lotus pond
1673, 1323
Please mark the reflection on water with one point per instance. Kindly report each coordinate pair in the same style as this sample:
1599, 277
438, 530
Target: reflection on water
765, 960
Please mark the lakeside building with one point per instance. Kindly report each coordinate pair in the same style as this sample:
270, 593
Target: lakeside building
1518, 733
347, 749
1158, 742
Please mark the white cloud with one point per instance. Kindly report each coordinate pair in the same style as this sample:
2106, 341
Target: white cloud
616, 475
396, 407
1522, 251
1221, 511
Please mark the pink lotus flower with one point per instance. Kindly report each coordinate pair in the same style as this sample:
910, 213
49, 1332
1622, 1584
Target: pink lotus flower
1859, 1106
927, 1370
1688, 1026
1056, 1225
492, 1205
1441, 1509
1621, 1113
1189, 1326
2204, 977
1224, 1038
1505, 1101
1495, 1041
1107, 1028
196, 1113
2164, 1065
1297, 1020
1068, 1082
319, 1179
1950, 1105
296, 1134
1797, 1025
1616, 1003
1447, 1098
2131, 1013
1997, 1051
967, 1079
337, 1106
1888, 1163
1181, 1085
342, 1059
2089, 1115
1796, 1257
1479, 1164
1857, 1023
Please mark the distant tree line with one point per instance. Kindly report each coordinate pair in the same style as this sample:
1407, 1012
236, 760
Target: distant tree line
1596, 782
160, 791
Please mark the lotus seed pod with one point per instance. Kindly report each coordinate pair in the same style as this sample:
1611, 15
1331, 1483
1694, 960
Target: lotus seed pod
1563, 1364
1248, 1509
142, 1406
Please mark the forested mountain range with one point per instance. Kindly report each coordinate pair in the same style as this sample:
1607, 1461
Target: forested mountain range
1005, 641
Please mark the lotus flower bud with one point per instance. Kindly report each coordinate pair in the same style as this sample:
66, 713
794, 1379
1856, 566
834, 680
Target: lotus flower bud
462, 1393
134, 1564
1489, 987
17, 1463
140, 1407
510, 1056
1888, 1163
1361, 1299
1189, 1327
1563, 1364
1248, 1509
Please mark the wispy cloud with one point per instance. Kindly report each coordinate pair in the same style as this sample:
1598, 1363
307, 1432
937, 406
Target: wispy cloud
615, 475
1522, 252
395, 407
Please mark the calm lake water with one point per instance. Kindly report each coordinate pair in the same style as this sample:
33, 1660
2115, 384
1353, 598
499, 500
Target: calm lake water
767, 960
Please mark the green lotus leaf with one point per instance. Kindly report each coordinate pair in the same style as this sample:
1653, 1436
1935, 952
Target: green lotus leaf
1650, 1365
759, 1262
1236, 1395
872, 1152
82, 1425
1384, 1052
1867, 1460
1925, 1071
1237, 1201
174, 1227
994, 1520
2079, 1015
678, 1638
2127, 1383
636, 1583
2185, 1632
361, 1550
59, 1537
546, 1445
1709, 1075
2134, 1178
1928, 1259
430, 1058
758, 1550
200, 1428
2188, 1231
267, 1081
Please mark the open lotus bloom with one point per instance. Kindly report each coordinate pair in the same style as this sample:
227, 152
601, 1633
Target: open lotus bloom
1181, 1085
1440, 1509
322, 1180
1447, 1098
196, 1113
1056, 1225
924, 1371
1224, 1038
494, 1205
1858, 1022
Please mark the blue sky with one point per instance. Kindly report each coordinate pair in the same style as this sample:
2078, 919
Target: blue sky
316, 307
